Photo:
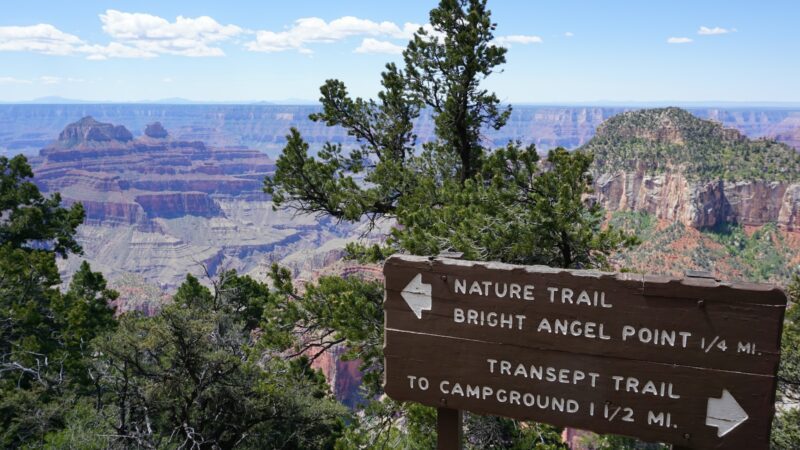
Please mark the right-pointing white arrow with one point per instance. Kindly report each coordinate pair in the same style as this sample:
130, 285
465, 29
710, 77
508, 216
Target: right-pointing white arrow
725, 413
418, 296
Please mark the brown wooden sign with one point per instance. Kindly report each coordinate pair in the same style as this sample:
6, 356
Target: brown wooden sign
690, 362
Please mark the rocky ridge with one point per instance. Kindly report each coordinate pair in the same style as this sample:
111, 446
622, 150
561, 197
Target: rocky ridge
122, 180
28, 128
678, 167
161, 207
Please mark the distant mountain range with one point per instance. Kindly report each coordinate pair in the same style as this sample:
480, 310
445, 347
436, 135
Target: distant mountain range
29, 127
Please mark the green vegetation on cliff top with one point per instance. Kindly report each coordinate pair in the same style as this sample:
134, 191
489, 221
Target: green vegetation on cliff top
654, 140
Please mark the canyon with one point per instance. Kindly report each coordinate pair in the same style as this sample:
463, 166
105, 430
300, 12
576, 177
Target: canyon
159, 205
26, 128
163, 202
160, 208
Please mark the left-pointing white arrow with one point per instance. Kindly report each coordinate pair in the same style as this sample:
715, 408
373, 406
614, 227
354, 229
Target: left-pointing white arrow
418, 295
725, 413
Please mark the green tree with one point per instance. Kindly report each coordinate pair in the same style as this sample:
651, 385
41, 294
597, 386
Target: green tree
453, 194
445, 68
44, 334
28, 218
517, 211
191, 376
333, 311
786, 425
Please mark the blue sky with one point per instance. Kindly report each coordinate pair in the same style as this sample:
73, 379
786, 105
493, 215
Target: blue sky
560, 51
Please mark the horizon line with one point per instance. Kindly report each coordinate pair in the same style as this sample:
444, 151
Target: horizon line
53, 101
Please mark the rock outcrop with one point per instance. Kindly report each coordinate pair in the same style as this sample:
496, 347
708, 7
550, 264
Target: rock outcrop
155, 130
680, 168
670, 196
122, 180
87, 132
161, 207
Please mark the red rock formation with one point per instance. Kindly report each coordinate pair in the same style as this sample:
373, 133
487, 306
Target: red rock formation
89, 131
121, 180
155, 130
670, 196
343, 376
178, 204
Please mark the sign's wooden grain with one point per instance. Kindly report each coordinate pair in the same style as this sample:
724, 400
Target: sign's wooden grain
690, 362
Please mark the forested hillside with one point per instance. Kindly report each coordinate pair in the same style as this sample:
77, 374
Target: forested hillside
657, 140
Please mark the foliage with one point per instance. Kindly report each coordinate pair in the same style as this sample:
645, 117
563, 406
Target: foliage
452, 195
501, 433
445, 68
786, 430
328, 186
520, 213
44, 334
786, 425
789, 373
379, 426
189, 376
27, 218
762, 255
638, 223
333, 311
657, 139
194, 375
613, 442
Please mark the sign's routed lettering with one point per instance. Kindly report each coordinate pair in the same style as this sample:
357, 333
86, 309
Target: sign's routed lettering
690, 362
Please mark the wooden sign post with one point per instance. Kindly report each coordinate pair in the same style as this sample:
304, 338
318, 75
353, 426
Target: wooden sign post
690, 362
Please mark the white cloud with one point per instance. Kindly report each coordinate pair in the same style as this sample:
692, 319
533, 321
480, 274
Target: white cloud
167, 80
716, 30
679, 40
569, 34
506, 41
50, 80
12, 80
310, 30
370, 45
41, 38
146, 35
115, 50
49, 40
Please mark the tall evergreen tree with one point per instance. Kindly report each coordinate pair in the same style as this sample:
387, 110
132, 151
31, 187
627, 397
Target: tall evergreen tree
445, 68
454, 193
44, 334
193, 376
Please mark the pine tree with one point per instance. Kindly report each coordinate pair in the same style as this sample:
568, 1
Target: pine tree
452, 194
44, 334
195, 376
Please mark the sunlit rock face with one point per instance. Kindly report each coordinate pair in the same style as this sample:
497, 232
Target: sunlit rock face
648, 161
161, 207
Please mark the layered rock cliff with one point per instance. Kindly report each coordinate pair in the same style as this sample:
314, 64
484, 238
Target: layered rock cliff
27, 128
678, 167
122, 180
161, 207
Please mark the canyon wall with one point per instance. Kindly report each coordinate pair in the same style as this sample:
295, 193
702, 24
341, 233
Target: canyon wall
29, 127
159, 207
700, 204
681, 168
